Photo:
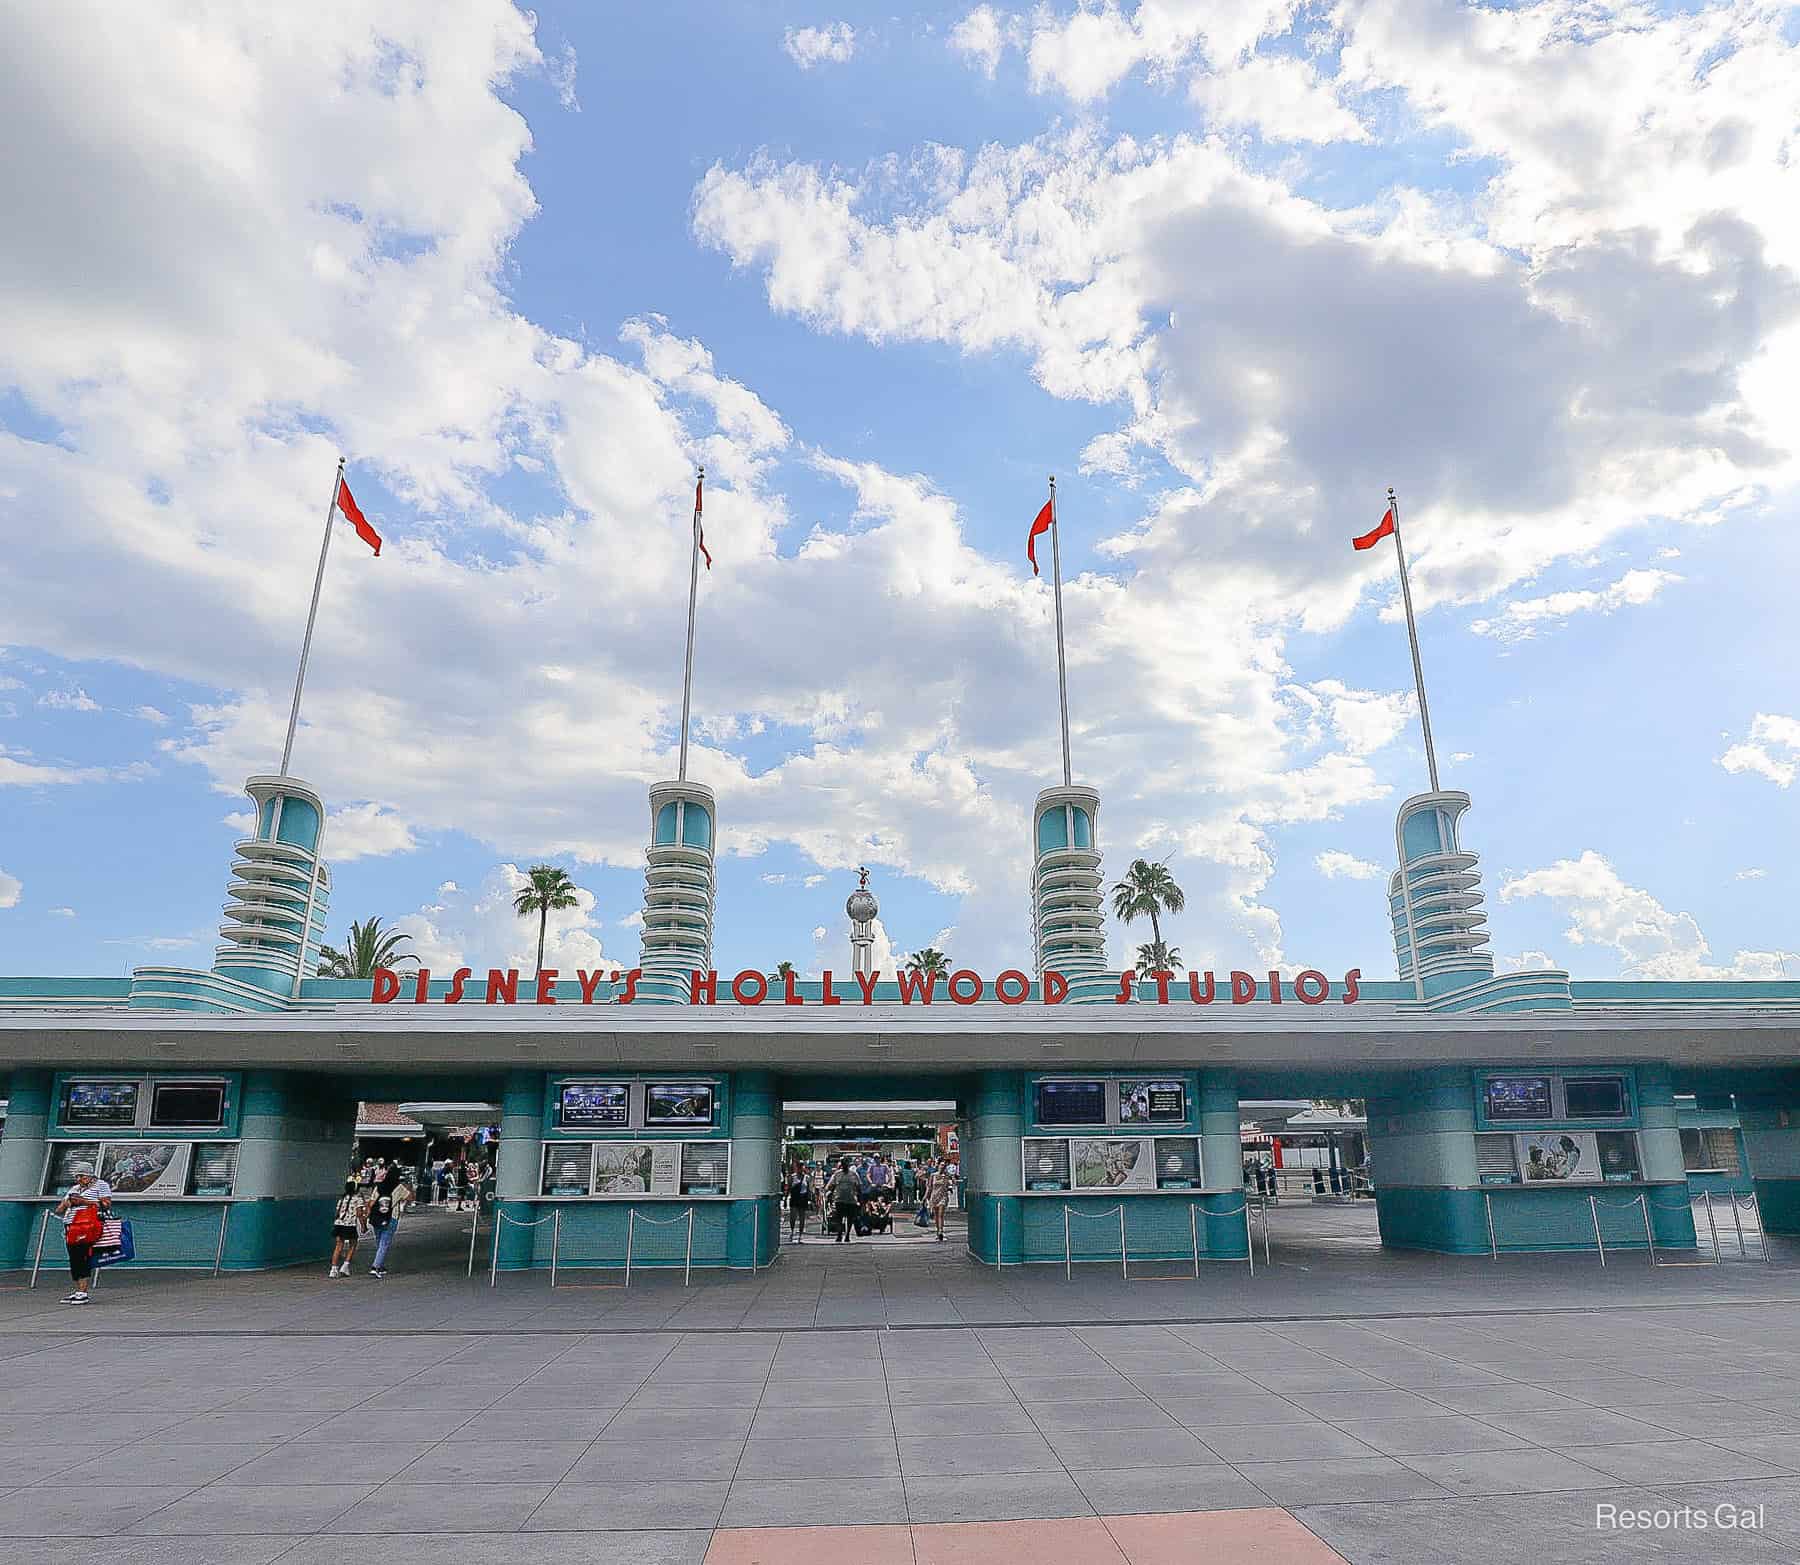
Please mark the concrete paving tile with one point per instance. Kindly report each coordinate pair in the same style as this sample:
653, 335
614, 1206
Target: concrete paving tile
1501, 1398
494, 1462
963, 1418
1673, 1461
609, 1460
1119, 1413
809, 1392
89, 1511
1778, 1499
1290, 1381
437, 1508
687, 1423
1336, 1406
152, 1463
658, 1546
1209, 1412
505, 1425
1124, 1491
21, 1465
582, 1506
260, 1550
994, 1497
315, 1462
674, 1394
867, 1545
1430, 1436
1338, 1478
1116, 1448
356, 1430
821, 1422
976, 1453
856, 1456
1718, 1418
813, 1502
1071, 1388
255, 1508
1783, 1450
1250, 1536
1596, 1427
269, 1424
1080, 1540
1526, 1471
1282, 1442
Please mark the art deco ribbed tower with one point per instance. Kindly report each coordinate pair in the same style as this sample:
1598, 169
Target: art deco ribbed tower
1068, 924
678, 891
280, 890
1435, 898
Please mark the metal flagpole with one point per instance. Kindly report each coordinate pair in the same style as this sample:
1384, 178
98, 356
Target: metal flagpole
1062, 672
687, 676
1412, 635
312, 614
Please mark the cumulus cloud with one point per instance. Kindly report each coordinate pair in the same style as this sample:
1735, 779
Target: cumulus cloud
1772, 749
1524, 617
152, 715
809, 46
1335, 864
21, 769
1751, 874
984, 35
1524, 962
363, 831
62, 912
1647, 939
11, 889
1281, 97
479, 929
76, 700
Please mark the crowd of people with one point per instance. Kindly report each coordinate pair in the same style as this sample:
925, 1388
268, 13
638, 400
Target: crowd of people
376, 1193
854, 1195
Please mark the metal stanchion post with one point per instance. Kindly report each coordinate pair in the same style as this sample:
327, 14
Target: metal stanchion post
1599, 1243
1762, 1234
555, 1243
494, 1258
1194, 1225
1737, 1220
630, 1226
474, 1228
1249, 1238
1124, 1268
1711, 1226
687, 1269
1068, 1269
219, 1254
999, 1232
1487, 1200
38, 1263
1649, 1232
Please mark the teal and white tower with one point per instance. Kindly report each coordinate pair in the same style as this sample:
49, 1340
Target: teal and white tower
280, 890
1068, 923
1435, 900
678, 891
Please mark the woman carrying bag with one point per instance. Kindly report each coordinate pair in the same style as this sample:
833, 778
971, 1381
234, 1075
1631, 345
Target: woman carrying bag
80, 1211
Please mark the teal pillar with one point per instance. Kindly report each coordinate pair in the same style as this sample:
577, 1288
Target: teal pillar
755, 1232
1769, 1114
1221, 1144
296, 1134
1659, 1154
1422, 1153
518, 1167
990, 1167
22, 1164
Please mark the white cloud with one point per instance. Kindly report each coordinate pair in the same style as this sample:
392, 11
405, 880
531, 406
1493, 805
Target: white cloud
479, 929
153, 715
1772, 749
1281, 97
1523, 617
447, 887
984, 35
1462, 755
76, 700
364, 831
11, 889
1648, 940
1524, 962
1751, 874
1335, 864
62, 912
810, 46
19, 769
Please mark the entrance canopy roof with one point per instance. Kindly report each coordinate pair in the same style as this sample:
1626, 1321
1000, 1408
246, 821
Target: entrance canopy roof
925, 1112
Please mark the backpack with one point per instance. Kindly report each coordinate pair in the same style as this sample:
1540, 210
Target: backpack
84, 1224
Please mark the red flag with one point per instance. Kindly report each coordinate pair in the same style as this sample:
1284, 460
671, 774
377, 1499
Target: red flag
1384, 530
699, 484
1040, 526
346, 502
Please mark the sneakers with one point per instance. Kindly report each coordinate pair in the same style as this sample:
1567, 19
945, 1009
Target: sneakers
374, 1273
76, 1298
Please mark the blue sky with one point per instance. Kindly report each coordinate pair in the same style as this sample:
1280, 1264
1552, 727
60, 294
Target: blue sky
1227, 271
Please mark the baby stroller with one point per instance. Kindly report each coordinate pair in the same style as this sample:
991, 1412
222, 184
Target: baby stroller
876, 1215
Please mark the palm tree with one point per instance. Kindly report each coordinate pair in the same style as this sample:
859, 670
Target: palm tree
780, 976
369, 947
930, 960
547, 890
1147, 889
1158, 958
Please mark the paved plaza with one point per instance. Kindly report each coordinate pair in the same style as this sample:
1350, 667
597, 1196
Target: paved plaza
1473, 1411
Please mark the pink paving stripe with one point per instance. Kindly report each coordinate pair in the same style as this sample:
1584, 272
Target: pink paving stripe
1264, 1536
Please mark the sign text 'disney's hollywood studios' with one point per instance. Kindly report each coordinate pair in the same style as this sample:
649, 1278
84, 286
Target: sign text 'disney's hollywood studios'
963, 987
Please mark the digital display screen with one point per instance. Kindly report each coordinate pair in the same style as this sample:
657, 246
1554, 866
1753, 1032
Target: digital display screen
1518, 1097
588, 1103
1594, 1097
1046, 1164
1177, 1163
214, 1169
568, 1170
68, 1159
705, 1167
1152, 1102
1071, 1103
100, 1102
187, 1105
679, 1103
